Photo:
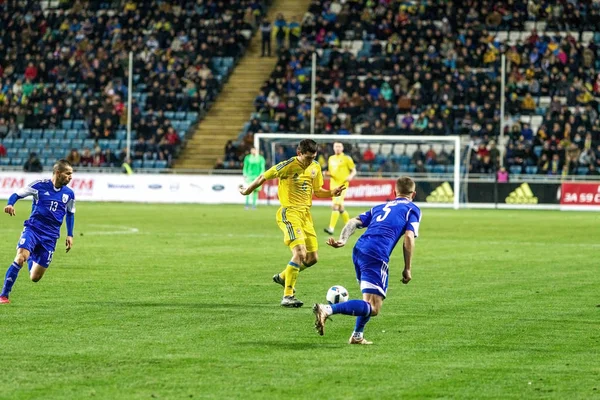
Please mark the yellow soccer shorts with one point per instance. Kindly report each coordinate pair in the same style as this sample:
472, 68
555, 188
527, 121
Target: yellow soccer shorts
297, 227
340, 199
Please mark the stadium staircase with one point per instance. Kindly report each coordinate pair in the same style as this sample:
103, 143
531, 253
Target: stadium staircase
233, 106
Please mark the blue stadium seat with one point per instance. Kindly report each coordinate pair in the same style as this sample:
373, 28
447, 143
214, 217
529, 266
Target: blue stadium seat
4, 161
34, 143
515, 169
17, 161
137, 164
49, 133
439, 169
56, 143
79, 124
60, 133
37, 133
26, 133
103, 143
192, 116
19, 142
121, 134
77, 144
180, 115
114, 145
8, 142
450, 169
83, 133
89, 143
162, 164
582, 170
12, 152
537, 150
66, 124
72, 134
169, 114
531, 169
149, 163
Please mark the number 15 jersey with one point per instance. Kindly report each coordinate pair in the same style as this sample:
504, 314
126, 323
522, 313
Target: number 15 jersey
50, 205
386, 223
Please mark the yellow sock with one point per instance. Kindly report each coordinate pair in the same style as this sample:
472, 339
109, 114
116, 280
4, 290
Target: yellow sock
345, 217
334, 219
291, 275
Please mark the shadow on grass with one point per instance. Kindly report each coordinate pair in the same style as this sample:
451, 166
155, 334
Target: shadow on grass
174, 304
283, 345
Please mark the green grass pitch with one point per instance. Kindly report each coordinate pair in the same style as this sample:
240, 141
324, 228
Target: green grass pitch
176, 301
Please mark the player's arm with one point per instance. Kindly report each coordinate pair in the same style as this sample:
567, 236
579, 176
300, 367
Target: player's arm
275, 171
352, 174
349, 229
70, 221
408, 248
324, 193
352, 168
18, 195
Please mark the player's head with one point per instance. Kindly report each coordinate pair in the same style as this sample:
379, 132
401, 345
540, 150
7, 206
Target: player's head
307, 152
405, 187
62, 172
338, 148
253, 151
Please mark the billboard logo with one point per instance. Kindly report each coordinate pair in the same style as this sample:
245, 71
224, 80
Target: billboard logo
441, 194
522, 195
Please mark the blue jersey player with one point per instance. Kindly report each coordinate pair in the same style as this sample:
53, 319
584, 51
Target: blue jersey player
52, 201
385, 224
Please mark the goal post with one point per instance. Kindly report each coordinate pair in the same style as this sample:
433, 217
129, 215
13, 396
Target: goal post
385, 146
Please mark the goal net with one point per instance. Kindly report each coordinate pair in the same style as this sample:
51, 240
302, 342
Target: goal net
432, 161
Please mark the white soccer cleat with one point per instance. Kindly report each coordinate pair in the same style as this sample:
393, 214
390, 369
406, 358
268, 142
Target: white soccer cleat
291, 302
355, 340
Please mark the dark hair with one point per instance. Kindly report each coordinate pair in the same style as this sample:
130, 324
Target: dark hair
307, 146
405, 185
61, 165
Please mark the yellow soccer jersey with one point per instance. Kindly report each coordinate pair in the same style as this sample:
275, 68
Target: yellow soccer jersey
340, 167
296, 184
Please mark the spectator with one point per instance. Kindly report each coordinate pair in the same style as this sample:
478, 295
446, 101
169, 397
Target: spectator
98, 159
502, 175
110, 159
2, 150
86, 158
280, 31
33, 164
74, 158
592, 171
265, 30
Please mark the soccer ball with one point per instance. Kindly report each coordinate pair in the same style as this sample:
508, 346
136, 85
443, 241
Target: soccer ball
337, 294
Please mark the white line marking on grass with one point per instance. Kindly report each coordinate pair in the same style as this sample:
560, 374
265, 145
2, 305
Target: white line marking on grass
116, 230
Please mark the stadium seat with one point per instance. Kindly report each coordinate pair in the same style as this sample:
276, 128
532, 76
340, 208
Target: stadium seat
37, 133
515, 169
149, 163
582, 170
162, 164
439, 169
66, 124
48, 134
531, 169
17, 161
19, 142
180, 115
79, 124
12, 152
7, 142
192, 116
89, 143
137, 164
72, 134
60, 133
4, 161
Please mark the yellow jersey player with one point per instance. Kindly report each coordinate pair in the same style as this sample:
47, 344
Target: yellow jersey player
299, 178
341, 169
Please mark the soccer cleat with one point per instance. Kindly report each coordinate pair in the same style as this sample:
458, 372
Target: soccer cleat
4, 300
320, 318
291, 302
277, 279
328, 231
354, 340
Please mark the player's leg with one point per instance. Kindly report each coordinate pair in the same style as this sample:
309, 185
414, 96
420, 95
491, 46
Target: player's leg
254, 198
375, 301
344, 214
335, 215
289, 221
12, 273
40, 261
312, 243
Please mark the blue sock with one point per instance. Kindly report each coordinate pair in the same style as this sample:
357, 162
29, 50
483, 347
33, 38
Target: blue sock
11, 276
358, 308
360, 324
29, 264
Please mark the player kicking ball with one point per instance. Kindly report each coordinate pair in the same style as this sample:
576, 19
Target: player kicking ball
52, 201
385, 224
299, 178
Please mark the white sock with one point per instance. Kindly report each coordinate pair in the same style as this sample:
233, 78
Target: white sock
328, 309
357, 335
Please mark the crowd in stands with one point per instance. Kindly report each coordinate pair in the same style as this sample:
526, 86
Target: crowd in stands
70, 63
433, 68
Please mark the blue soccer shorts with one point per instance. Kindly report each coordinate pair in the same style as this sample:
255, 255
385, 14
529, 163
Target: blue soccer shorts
371, 273
41, 249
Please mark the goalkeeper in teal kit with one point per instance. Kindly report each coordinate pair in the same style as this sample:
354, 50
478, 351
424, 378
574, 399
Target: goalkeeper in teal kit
254, 166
